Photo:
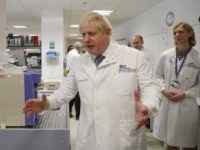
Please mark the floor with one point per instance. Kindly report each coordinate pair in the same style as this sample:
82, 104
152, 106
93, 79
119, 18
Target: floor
153, 144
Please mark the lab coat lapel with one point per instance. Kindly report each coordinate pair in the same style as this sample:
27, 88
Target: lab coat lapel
107, 61
110, 55
90, 67
189, 59
103, 71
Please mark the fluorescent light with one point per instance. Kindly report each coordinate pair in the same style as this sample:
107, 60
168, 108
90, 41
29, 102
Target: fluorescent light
20, 27
73, 35
74, 25
104, 12
33, 35
79, 38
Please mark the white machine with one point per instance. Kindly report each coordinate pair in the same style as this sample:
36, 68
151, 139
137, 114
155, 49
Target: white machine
52, 126
33, 58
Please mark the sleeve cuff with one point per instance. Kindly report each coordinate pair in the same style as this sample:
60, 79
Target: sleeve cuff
161, 89
152, 109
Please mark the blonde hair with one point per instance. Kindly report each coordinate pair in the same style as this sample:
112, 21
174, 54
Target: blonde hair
188, 28
96, 20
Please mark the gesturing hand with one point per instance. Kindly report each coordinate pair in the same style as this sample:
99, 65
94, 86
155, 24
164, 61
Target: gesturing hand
141, 111
36, 105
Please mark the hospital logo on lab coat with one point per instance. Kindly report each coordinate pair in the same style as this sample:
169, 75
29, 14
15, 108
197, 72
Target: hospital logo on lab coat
192, 65
124, 68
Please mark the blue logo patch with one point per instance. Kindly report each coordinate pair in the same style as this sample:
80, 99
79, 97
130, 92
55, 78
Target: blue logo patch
124, 68
192, 65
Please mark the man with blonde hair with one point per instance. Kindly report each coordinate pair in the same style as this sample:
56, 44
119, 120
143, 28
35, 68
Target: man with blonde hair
107, 77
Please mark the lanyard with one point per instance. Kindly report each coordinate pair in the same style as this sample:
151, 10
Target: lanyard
177, 71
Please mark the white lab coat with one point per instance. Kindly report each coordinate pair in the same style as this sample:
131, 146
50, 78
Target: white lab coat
107, 117
70, 56
177, 123
142, 139
149, 56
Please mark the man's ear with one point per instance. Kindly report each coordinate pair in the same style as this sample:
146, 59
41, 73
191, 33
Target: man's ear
108, 31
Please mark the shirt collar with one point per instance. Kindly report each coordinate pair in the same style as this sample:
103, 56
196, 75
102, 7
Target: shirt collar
105, 53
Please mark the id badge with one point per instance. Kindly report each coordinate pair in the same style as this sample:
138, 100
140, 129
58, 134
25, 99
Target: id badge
176, 84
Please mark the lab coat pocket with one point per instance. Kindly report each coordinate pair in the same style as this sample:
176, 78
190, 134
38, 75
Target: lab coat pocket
128, 136
82, 81
81, 78
188, 108
83, 133
190, 75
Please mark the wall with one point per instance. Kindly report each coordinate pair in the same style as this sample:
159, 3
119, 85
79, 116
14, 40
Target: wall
52, 40
151, 24
3, 25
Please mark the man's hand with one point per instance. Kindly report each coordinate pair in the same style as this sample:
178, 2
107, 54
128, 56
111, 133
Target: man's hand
141, 111
36, 105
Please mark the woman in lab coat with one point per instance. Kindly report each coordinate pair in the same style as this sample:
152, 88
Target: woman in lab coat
110, 112
178, 76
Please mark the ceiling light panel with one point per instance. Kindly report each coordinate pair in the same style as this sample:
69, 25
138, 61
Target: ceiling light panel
74, 26
104, 12
19, 27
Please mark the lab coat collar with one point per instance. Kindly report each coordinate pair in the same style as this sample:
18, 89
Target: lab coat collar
110, 56
189, 56
189, 59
